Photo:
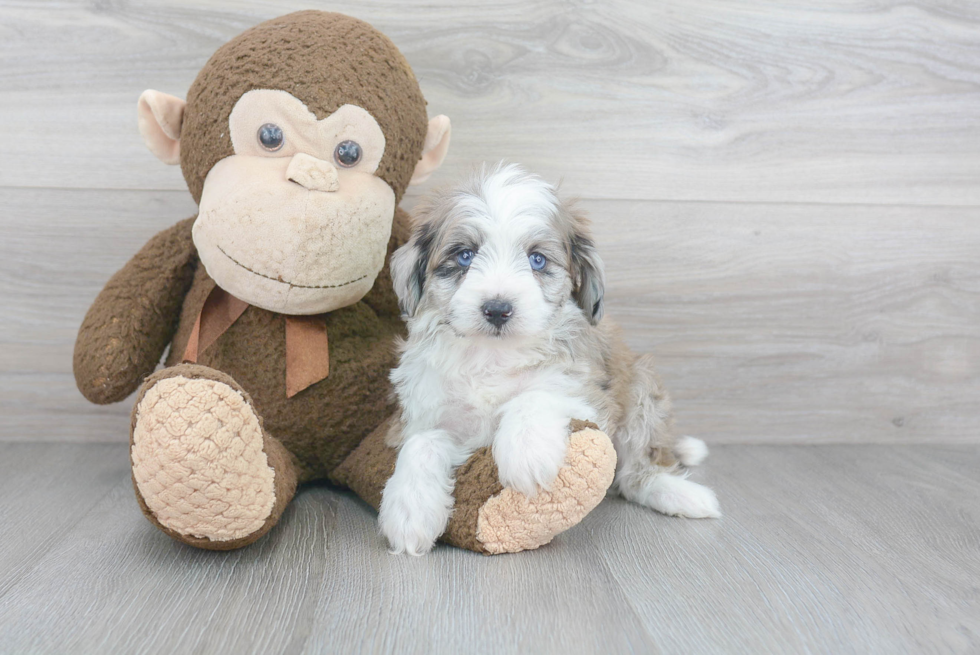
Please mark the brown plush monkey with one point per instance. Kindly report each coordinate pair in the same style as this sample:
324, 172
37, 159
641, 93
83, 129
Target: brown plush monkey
297, 140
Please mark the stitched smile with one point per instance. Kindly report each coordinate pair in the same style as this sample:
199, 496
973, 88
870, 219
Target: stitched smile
281, 281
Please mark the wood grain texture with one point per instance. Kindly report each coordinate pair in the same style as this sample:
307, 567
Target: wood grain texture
45, 489
813, 323
786, 196
870, 102
841, 549
772, 323
834, 549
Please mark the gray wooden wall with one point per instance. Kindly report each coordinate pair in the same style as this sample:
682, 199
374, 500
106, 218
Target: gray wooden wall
786, 194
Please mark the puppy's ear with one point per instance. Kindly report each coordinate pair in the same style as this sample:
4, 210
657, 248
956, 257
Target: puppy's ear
587, 270
408, 266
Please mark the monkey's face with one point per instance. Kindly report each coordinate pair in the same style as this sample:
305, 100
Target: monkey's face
296, 221
297, 139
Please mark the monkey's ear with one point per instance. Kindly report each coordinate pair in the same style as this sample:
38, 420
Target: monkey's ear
160, 117
433, 150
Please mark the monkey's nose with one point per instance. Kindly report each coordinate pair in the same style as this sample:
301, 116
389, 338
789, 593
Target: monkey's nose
312, 173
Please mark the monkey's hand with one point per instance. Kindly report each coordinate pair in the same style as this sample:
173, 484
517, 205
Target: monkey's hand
127, 328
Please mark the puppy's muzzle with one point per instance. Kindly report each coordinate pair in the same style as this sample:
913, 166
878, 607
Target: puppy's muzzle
497, 312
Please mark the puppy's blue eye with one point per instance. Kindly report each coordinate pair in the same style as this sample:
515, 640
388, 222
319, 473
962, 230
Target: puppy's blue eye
537, 261
465, 258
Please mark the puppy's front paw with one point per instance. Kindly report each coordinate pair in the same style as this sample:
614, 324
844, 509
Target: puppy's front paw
412, 517
528, 458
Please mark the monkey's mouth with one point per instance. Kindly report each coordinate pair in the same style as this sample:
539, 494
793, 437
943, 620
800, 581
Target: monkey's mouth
282, 281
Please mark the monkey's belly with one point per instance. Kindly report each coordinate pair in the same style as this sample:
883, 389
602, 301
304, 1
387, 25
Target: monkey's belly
322, 424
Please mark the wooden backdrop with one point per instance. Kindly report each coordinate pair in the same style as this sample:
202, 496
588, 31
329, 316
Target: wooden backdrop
786, 194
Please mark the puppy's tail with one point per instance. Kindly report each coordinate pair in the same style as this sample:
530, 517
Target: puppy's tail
690, 451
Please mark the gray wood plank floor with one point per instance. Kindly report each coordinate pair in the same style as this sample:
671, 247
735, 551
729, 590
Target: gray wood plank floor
832, 549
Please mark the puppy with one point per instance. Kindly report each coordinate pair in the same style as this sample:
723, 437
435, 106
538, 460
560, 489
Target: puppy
502, 288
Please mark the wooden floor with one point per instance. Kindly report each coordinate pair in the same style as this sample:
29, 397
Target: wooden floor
830, 549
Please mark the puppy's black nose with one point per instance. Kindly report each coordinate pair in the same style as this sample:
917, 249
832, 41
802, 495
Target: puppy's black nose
497, 312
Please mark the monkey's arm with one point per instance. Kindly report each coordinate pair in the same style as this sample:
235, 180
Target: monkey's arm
135, 316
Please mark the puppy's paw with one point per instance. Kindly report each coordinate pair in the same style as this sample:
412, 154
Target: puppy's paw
528, 458
413, 516
676, 496
690, 451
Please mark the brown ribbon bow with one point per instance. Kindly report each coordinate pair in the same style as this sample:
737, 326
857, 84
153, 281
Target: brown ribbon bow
307, 354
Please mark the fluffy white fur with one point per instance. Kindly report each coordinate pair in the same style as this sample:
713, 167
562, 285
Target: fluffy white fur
690, 451
465, 382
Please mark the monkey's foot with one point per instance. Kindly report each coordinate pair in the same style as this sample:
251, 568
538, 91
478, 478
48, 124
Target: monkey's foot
204, 470
486, 517
508, 521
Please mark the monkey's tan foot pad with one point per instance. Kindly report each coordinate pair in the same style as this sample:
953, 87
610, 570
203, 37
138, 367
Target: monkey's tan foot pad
510, 522
198, 459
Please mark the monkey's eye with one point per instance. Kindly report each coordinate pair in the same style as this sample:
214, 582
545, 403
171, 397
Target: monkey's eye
465, 258
270, 137
537, 260
347, 154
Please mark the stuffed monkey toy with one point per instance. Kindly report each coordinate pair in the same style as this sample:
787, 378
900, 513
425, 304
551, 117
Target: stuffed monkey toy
297, 140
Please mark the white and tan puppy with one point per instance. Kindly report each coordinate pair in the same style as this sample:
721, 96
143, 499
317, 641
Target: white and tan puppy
502, 288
